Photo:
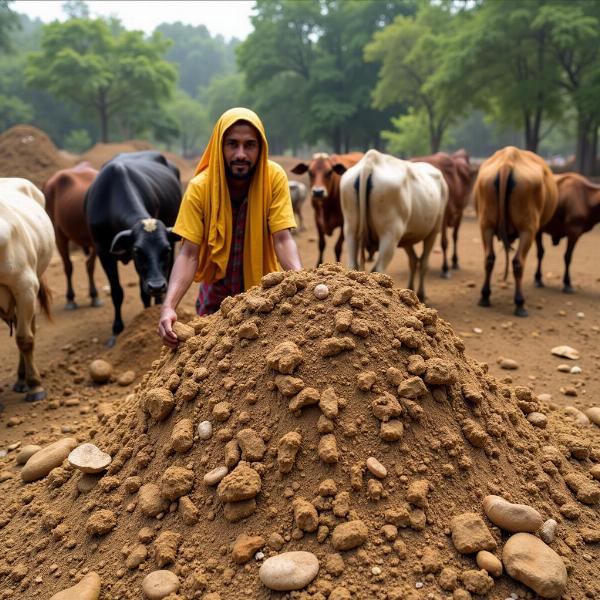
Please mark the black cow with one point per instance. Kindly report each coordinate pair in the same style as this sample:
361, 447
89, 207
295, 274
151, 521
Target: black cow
130, 208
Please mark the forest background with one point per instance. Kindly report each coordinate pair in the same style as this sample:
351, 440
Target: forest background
406, 76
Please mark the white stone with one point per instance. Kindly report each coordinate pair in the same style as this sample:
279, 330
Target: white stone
575, 370
216, 475
565, 352
89, 459
289, 571
205, 430
159, 584
548, 531
376, 467
321, 291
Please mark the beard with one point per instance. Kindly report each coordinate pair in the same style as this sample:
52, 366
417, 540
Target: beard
239, 176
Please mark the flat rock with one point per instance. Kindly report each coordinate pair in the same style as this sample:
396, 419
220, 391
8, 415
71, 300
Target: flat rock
565, 352
87, 589
289, 571
89, 459
158, 584
530, 561
470, 534
46, 459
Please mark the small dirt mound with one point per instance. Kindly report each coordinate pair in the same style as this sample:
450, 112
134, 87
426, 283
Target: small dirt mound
28, 152
102, 153
350, 426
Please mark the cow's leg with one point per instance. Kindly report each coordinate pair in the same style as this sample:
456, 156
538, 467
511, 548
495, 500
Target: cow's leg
321, 245
525, 241
352, 249
116, 292
428, 243
62, 243
413, 263
339, 244
20, 385
540, 255
455, 243
490, 258
90, 264
571, 241
25, 298
387, 246
445, 271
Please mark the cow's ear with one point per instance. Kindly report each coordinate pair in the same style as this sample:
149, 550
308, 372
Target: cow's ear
339, 168
172, 236
300, 169
122, 243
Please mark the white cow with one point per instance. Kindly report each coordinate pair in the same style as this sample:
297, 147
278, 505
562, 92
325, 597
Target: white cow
26, 246
388, 202
298, 195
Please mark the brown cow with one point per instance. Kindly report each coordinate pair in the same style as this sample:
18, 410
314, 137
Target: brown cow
578, 210
515, 195
65, 193
324, 172
456, 170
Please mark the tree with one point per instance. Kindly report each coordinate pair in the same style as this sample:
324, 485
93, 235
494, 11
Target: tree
14, 111
76, 9
9, 21
193, 122
103, 70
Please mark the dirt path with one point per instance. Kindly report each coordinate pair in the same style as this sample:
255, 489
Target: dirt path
65, 347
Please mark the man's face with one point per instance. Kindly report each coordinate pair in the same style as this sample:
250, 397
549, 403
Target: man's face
241, 149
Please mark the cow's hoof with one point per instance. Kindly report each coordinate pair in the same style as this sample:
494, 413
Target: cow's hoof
455, 266
71, 305
539, 283
568, 290
96, 302
445, 275
36, 396
20, 387
520, 311
112, 340
484, 302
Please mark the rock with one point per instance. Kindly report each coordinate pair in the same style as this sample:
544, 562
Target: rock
593, 414
328, 450
511, 517
585, 490
126, 378
285, 358
287, 448
46, 459
158, 403
538, 419
182, 436
470, 534
334, 346
272, 279
329, 403
392, 431
165, 548
159, 584
528, 560
236, 511
307, 397
563, 368
89, 459
248, 331
376, 467
579, 417
306, 516
575, 370
176, 482
289, 571
182, 331
137, 556
412, 388
477, 582
101, 522
215, 476
349, 535
288, 386
489, 562
245, 547
595, 472
321, 291
243, 483
508, 364
251, 444
565, 352
548, 531
386, 407
100, 371
87, 589
417, 492
26, 452
150, 501
190, 514
205, 430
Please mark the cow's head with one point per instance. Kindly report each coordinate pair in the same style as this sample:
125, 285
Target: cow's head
321, 171
149, 243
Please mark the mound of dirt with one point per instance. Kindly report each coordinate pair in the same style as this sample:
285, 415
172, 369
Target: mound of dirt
102, 153
28, 152
344, 422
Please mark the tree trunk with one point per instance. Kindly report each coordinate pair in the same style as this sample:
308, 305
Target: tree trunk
583, 146
103, 125
337, 140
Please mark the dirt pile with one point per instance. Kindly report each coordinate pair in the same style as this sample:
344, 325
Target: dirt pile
28, 152
349, 430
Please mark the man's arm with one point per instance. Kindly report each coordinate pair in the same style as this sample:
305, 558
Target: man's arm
181, 278
287, 251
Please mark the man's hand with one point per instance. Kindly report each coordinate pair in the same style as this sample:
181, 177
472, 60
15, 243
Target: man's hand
287, 251
165, 327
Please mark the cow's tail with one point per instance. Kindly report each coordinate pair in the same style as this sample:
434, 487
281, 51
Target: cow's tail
505, 185
45, 298
363, 200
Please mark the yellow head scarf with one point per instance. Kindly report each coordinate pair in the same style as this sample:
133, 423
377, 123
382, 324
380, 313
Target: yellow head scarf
259, 252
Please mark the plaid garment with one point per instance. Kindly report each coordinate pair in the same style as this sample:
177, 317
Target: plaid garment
211, 295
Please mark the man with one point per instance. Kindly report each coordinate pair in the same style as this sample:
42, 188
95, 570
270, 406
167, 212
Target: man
235, 220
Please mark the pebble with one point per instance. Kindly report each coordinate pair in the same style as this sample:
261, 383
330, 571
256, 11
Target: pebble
126, 378
87, 589
538, 419
593, 414
565, 352
182, 331
579, 417
376, 467
470, 534
205, 430
548, 530
158, 584
563, 368
508, 363
46, 459
100, 371
349, 535
289, 571
511, 517
580, 315
489, 562
321, 291
26, 452
530, 561
89, 459
575, 370
215, 476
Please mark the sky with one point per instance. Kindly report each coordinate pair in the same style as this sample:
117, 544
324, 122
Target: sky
230, 18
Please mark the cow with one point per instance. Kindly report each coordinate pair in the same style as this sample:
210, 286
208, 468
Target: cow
26, 245
515, 195
392, 202
130, 208
456, 170
324, 172
65, 192
298, 195
577, 211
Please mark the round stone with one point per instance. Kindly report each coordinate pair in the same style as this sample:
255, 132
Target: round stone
376, 467
158, 584
289, 571
321, 291
26, 452
489, 562
89, 459
538, 419
205, 430
100, 371
548, 530
216, 475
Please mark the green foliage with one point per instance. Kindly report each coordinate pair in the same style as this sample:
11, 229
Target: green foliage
78, 141
193, 123
224, 92
9, 21
76, 9
14, 111
410, 137
111, 74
